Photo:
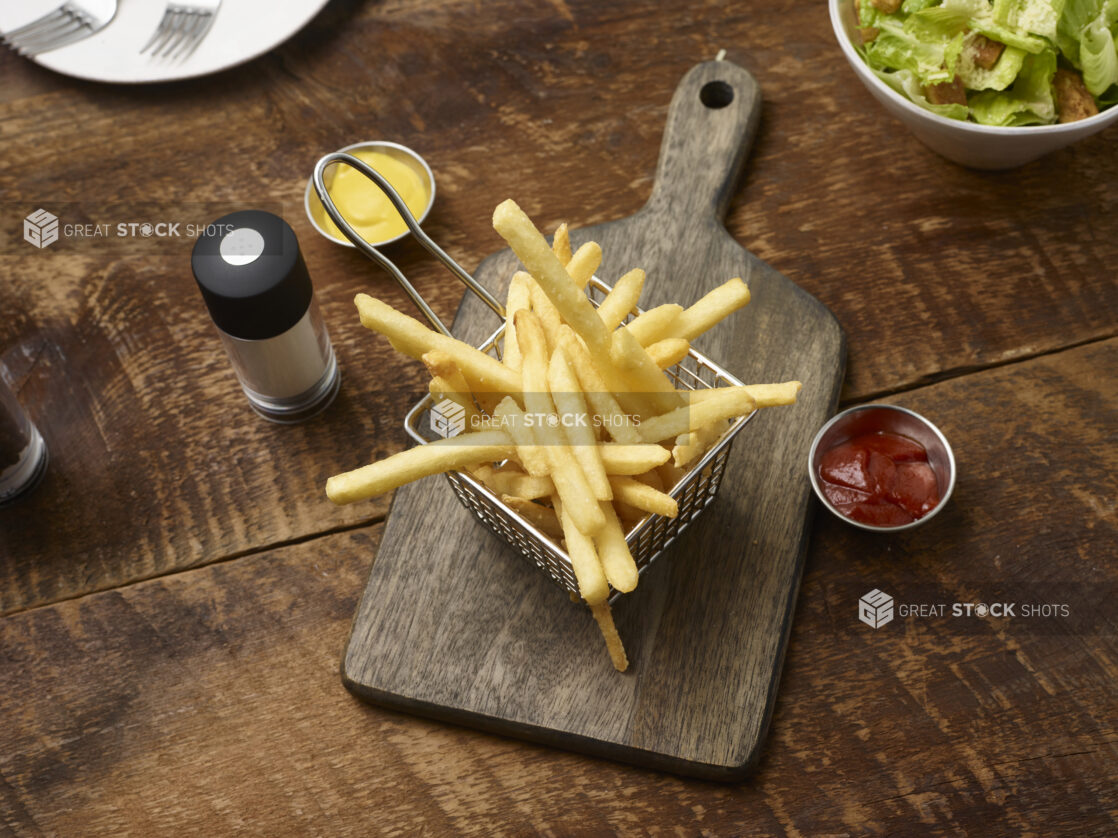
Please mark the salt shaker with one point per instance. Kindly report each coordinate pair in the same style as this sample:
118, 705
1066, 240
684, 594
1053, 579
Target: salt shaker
256, 286
23, 454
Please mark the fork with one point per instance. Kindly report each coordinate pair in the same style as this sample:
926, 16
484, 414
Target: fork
70, 22
181, 29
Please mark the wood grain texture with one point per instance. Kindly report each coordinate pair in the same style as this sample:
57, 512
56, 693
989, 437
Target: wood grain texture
208, 702
558, 104
487, 643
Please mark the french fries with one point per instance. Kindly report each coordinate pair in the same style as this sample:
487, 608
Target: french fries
519, 299
621, 299
445, 455
533, 250
577, 429
408, 335
581, 266
561, 243
726, 402
654, 324
711, 309
570, 480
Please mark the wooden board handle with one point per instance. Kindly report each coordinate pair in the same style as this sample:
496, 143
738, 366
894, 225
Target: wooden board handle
712, 120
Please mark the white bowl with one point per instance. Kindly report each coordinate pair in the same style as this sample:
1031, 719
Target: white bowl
977, 146
400, 152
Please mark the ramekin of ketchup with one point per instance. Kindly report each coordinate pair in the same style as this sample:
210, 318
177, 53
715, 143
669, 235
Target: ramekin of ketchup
881, 467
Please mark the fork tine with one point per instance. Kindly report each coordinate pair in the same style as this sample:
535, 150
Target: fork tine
206, 25
47, 20
182, 18
48, 39
180, 31
160, 31
61, 21
75, 34
199, 22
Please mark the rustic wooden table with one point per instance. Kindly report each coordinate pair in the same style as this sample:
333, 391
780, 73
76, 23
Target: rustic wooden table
177, 592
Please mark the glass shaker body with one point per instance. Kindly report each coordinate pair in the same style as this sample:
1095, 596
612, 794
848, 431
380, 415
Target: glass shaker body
23, 454
291, 376
255, 283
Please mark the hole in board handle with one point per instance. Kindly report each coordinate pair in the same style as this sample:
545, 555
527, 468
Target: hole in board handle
716, 94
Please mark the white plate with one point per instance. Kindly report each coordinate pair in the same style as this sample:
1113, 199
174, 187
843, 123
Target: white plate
242, 30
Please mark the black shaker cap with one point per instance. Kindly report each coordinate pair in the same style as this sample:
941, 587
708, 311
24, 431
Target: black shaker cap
251, 274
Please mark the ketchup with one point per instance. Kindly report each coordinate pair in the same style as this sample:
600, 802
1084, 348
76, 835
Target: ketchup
879, 478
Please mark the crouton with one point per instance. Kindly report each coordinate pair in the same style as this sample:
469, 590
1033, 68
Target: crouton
947, 93
1073, 100
887, 6
868, 32
986, 51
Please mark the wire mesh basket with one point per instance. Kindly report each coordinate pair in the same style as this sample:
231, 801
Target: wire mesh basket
650, 536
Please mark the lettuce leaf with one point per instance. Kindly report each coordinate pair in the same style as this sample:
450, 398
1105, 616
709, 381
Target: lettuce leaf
1028, 102
895, 49
999, 77
1098, 57
1038, 17
980, 17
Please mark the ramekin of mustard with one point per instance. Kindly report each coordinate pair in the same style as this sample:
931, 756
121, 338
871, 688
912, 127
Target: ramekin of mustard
363, 204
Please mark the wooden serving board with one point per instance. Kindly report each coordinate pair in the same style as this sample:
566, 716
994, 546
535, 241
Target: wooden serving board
455, 625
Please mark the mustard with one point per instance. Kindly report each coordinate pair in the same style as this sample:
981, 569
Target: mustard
364, 205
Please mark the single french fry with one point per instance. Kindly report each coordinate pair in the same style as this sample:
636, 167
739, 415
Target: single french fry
621, 299
710, 309
687, 447
731, 401
584, 558
617, 561
433, 458
511, 418
540, 517
765, 395
654, 324
548, 314
561, 243
668, 352
533, 250
458, 393
483, 372
509, 480
690, 446
634, 372
619, 458
604, 617
642, 496
613, 419
567, 475
582, 265
439, 362
570, 404
442, 366
518, 299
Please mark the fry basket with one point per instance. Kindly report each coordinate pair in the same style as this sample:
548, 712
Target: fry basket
653, 534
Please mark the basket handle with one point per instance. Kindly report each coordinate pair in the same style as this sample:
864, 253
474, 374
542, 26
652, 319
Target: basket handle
413, 225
